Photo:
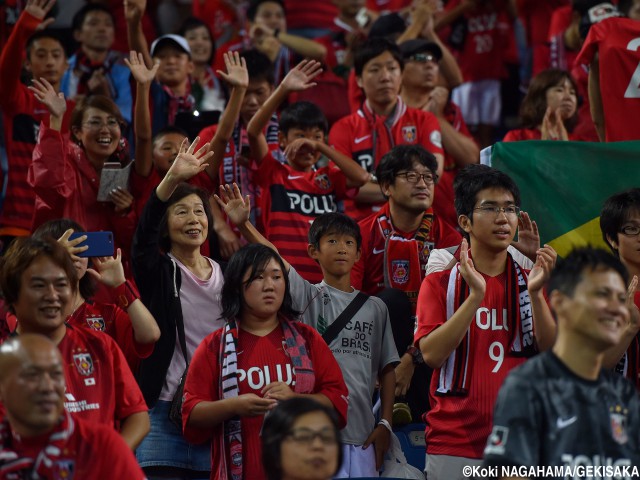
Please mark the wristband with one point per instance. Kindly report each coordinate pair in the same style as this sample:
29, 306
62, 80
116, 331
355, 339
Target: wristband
125, 295
386, 424
416, 355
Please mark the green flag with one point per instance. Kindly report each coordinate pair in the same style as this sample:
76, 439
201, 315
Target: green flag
564, 184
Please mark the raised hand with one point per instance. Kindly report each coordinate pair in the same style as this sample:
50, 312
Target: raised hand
139, 69
108, 270
134, 9
237, 74
552, 127
233, 204
98, 83
539, 274
187, 163
300, 78
39, 8
300, 145
437, 101
45, 93
259, 31
528, 237
72, 245
474, 279
634, 318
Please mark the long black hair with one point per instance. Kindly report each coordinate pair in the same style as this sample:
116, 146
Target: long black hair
254, 259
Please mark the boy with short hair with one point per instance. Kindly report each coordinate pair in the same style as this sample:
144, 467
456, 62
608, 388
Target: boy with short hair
364, 347
295, 193
478, 320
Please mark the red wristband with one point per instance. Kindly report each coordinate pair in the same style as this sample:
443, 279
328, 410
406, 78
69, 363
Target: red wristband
125, 295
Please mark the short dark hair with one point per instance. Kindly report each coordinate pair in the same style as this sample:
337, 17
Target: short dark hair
20, 254
54, 229
472, 179
259, 67
191, 23
333, 224
182, 190
79, 17
40, 34
373, 47
278, 424
167, 130
303, 115
534, 104
252, 258
255, 4
402, 157
568, 271
615, 212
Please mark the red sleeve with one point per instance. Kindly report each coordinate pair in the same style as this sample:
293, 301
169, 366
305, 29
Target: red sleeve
511, 136
339, 182
14, 93
201, 384
125, 336
446, 235
430, 133
432, 307
262, 174
113, 457
590, 45
340, 137
206, 134
329, 379
129, 399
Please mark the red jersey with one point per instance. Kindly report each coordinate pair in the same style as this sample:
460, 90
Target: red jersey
487, 43
617, 42
100, 385
368, 272
317, 14
459, 426
261, 360
387, 6
22, 115
290, 201
89, 451
366, 137
221, 18
115, 322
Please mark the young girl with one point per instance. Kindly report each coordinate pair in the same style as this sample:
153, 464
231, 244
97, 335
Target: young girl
260, 357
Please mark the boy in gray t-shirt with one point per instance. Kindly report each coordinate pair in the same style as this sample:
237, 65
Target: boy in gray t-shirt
364, 348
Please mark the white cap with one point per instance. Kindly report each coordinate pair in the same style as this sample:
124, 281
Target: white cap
179, 41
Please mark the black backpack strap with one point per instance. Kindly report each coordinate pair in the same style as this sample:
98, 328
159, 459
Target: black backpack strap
347, 314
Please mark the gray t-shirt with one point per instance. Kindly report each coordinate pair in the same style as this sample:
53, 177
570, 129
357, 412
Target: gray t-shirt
363, 347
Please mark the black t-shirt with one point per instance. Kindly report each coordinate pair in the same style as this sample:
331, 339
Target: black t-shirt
545, 415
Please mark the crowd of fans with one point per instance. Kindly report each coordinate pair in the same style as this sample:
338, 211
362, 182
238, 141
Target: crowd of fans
307, 251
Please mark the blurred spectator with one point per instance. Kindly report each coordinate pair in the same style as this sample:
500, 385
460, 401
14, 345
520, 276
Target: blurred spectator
225, 18
310, 19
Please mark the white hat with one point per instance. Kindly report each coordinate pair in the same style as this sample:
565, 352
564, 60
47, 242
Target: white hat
179, 41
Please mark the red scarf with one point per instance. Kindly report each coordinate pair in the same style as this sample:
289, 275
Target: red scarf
12, 466
177, 104
87, 67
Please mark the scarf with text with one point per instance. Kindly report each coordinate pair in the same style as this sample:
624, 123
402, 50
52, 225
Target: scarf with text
455, 373
87, 67
304, 380
12, 466
178, 103
406, 258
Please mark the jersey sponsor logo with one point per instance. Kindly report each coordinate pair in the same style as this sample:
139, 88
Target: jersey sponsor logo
308, 204
63, 469
410, 134
497, 440
565, 422
80, 406
488, 319
400, 271
84, 363
618, 420
482, 23
376, 251
259, 377
96, 323
358, 140
436, 138
365, 159
323, 182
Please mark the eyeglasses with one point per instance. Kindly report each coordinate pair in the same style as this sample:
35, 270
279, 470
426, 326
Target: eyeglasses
95, 124
423, 58
630, 230
306, 436
415, 177
509, 210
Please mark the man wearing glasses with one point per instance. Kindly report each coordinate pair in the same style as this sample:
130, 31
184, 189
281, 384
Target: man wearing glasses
396, 242
478, 320
620, 225
421, 89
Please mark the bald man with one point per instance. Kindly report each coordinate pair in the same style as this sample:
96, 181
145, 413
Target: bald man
32, 389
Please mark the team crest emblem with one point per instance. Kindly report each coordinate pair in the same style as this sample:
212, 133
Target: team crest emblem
400, 271
410, 134
618, 418
96, 323
84, 363
497, 440
63, 470
323, 181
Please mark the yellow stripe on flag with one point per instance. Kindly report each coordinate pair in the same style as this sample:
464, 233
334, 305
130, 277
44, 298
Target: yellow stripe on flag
586, 234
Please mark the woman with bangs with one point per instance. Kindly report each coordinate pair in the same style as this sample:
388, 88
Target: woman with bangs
261, 356
65, 173
549, 109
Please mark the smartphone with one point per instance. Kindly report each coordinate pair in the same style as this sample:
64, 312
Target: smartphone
100, 244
